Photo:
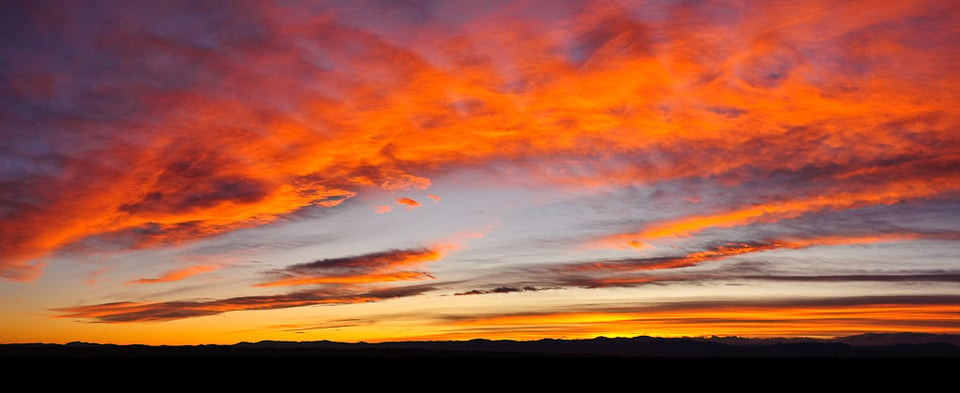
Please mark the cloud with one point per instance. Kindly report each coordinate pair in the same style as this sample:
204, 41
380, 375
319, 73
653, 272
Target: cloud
680, 269
120, 312
500, 290
117, 123
434, 197
409, 203
739, 248
775, 211
352, 279
94, 275
23, 272
335, 280
934, 276
176, 275
382, 209
385, 266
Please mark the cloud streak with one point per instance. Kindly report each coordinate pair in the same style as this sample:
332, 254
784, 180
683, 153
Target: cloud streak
122, 312
775, 211
176, 275
681, 269
376, 267
734, 249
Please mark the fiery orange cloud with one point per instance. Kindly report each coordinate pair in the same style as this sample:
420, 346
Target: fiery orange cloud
382, 209
176, 275
362, 269
434, 197
597, 97
409, 203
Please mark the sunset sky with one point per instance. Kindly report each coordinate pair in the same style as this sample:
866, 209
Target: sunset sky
187, 172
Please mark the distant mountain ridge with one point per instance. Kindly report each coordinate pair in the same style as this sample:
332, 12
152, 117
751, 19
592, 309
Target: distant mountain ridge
862, 345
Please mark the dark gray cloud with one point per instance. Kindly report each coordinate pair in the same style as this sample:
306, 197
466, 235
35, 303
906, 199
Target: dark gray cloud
503, 289
366, 262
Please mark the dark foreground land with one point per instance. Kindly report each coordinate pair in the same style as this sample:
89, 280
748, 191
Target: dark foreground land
901, 345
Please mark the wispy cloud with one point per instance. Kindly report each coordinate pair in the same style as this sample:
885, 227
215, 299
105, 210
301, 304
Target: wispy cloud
738, 248
676, 269
499, 290
176, 275
119, 312
386, 266
353, 279
774, 211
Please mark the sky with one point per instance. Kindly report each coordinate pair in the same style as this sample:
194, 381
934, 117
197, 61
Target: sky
211, 172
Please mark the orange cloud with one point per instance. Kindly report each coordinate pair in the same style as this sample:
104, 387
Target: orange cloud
382, 209
409, 203
597, 94
434, 197
176, 275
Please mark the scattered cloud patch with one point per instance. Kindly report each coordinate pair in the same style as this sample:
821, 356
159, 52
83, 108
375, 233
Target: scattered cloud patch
409, 203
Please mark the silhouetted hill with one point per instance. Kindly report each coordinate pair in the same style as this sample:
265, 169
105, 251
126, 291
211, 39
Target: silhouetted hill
911, 345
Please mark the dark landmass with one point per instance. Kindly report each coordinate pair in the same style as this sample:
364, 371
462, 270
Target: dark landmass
899, 345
